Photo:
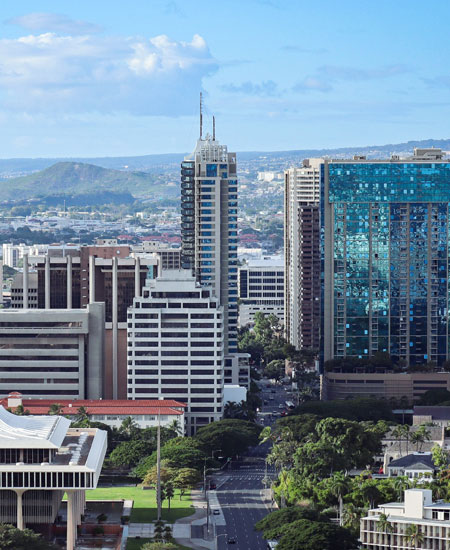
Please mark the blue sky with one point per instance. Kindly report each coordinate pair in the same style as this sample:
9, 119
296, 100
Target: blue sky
91, 78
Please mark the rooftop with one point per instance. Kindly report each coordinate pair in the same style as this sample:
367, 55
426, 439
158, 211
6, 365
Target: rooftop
437, 413
39, 432
415, 461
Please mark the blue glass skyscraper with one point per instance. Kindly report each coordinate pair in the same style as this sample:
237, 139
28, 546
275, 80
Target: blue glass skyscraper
385, 257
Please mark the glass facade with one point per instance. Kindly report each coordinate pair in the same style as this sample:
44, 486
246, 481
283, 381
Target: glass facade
386, 270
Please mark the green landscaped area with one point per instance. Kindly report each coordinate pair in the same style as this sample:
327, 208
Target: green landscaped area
144, 508
133, 544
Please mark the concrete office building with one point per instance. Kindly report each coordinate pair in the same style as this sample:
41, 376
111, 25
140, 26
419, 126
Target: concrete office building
170, 258
261, 288
418, 509
176, 346
386, 229
73, 277
302, 269
53, 353
209, 226
17, 289
400, 386
41, 458
14, 253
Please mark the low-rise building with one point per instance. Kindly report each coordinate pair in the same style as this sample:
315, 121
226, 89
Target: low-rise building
146, 413
418, 509
437, 415
399, 386
41, 458
413, 466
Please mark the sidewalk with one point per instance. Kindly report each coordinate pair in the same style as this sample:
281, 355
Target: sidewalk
195, 536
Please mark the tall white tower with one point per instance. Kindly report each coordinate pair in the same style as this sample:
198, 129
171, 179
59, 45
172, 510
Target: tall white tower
209, 225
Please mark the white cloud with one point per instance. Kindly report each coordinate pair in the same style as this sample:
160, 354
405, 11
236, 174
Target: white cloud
53, 22
51, 72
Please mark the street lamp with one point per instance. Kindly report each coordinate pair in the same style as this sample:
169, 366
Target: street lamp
217, 536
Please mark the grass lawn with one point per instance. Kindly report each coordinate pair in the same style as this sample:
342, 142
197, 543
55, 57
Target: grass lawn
133, 544
144, 508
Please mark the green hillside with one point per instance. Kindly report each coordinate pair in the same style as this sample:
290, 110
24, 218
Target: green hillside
75, 178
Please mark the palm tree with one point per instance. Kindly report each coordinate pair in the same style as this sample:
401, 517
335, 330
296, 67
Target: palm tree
405, 430
401, 483
351, 516
55, 409
384, 526
175, 426
339, 485
397, 432
371, 492
414, 535
128, 426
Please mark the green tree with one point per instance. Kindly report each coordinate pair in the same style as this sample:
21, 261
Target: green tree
12, 538
129, 453
169, 491
230, 436
435, 397
179, 452
440, 457
401, 484
186, 479
81, 419
351, 517
166, 474
311, 535
340, 484
21, 411
275, 370
129, 427
55, 409
414, 535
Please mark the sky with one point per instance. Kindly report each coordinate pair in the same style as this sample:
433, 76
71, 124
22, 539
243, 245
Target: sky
111, 78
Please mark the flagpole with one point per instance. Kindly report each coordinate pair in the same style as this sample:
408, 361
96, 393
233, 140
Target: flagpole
158, 467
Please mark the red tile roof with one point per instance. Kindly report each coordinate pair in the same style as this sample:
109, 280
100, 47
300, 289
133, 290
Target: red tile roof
107, 406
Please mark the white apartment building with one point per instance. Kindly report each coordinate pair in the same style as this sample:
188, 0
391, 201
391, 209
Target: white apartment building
41, 458
418, 508
261, 288
52, 353
13, 253
17, 290
302, 254
176, 346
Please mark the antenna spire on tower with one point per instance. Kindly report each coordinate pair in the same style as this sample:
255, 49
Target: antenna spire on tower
214, 128
201, 115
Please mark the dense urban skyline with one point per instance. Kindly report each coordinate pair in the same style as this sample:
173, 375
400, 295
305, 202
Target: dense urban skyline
278, 75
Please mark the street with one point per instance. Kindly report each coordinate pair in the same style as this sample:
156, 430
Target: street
240, 497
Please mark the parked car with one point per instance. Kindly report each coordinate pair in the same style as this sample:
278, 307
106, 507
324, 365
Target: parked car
231, 540
216, 512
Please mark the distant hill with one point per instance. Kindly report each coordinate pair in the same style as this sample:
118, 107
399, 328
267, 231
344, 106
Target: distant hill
162, 163
80, 179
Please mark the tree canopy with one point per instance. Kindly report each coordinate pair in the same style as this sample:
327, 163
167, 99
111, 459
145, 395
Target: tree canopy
352, 409
231, 436
12, 538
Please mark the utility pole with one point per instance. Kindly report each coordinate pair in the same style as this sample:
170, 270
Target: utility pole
158, 467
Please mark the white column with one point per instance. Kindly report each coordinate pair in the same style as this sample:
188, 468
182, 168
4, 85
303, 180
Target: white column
47, 282
69, 282
71, 523
137, 277
20, 522
25, 281
114, 325
91, 279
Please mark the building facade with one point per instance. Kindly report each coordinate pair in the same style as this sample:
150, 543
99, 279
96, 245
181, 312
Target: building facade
399, 386
53, 353
418, 509
41, 458
209, 226
146, 413
261, 288
71, 277
176, 346
386, 230
302, 269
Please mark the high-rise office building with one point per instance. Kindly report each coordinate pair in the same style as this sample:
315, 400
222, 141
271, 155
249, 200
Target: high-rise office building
261, 289
71, 276
209, 226
302, 255
176, 346
386, 228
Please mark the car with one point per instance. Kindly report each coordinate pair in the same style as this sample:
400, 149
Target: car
280, 406
231, 540
271, 398
216, 512
212, 485
273, 391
